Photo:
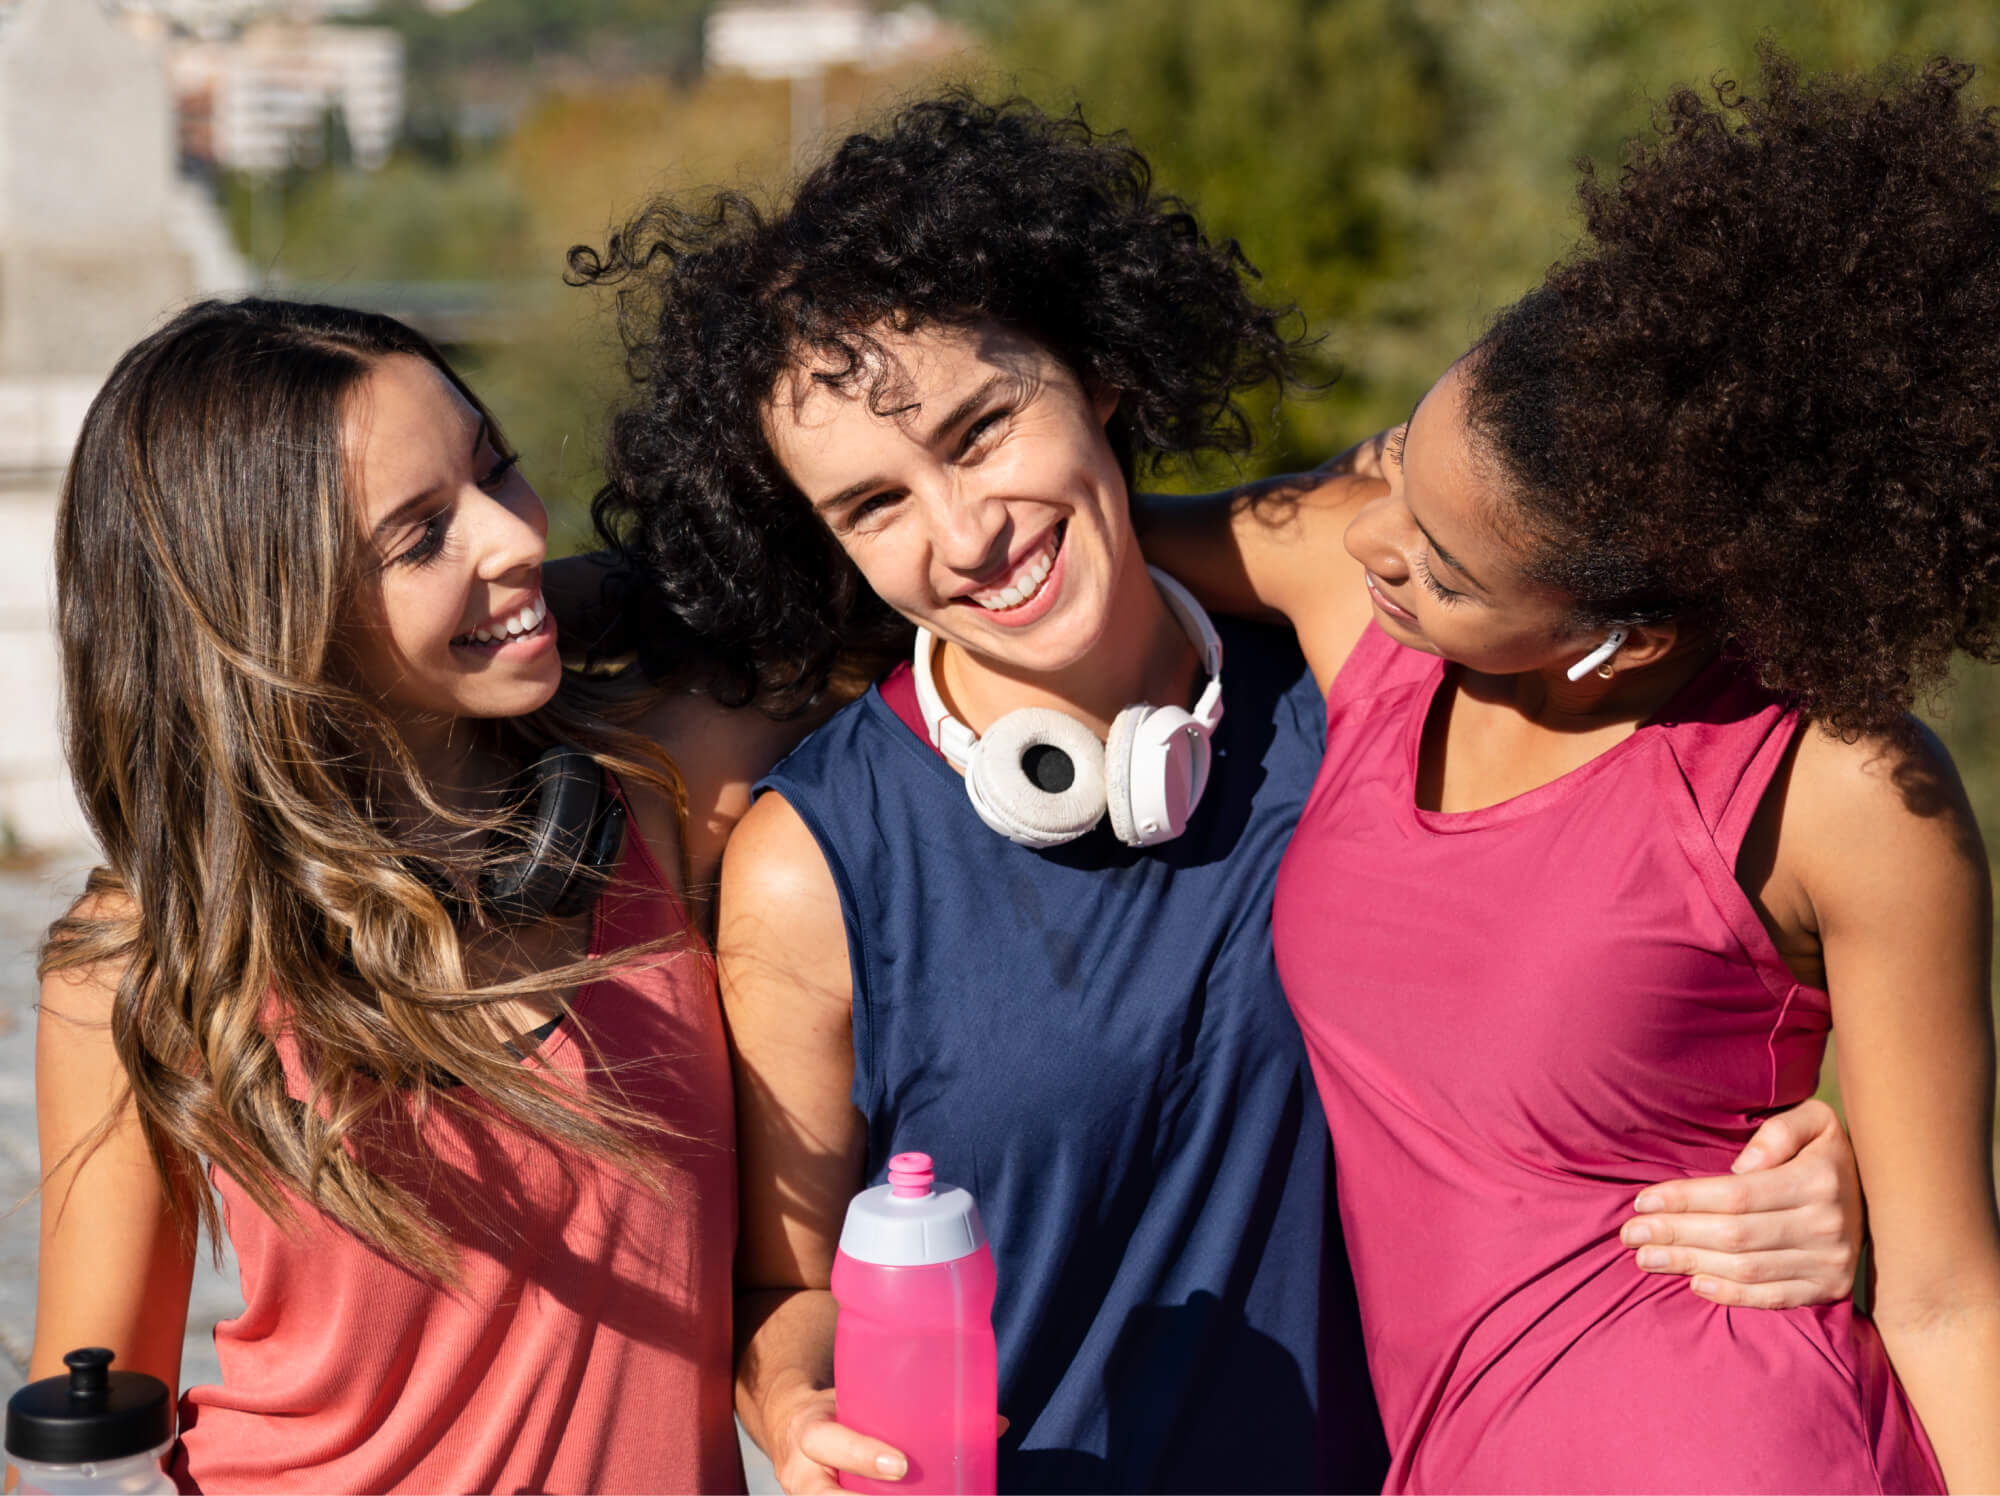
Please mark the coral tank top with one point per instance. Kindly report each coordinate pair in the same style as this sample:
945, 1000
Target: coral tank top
588, 1346
1519, 1016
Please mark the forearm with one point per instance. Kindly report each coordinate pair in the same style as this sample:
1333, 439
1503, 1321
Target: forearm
1948, 1359
784, 1355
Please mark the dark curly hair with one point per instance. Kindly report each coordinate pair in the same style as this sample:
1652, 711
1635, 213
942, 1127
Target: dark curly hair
958, 211
1765, 395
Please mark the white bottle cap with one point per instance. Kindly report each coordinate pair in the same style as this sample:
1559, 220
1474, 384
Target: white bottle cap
910, 1222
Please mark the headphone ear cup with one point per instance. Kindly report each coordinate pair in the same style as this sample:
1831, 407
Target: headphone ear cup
567, 828
1118, 772
1037, 777
1162, 766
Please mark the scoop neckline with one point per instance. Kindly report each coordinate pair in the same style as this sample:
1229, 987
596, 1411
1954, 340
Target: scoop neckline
1530, 801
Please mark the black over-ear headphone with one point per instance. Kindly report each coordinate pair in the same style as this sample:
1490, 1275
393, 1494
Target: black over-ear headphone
559, 847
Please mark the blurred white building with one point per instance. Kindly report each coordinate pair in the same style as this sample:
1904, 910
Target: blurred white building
263, 93
798, 38
98, 238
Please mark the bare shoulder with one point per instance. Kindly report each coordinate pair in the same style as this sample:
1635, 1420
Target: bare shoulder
1882, 820
774, 866
81, 991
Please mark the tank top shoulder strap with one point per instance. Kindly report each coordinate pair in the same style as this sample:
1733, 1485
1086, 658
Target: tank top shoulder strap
1377, 664
1728, 736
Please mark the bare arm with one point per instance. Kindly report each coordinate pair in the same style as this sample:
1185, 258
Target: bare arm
786, 991
1886, 849
114, 1269
1272, 550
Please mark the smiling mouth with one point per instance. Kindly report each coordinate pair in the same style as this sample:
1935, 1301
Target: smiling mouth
1029, 578
528, 619
1388, 605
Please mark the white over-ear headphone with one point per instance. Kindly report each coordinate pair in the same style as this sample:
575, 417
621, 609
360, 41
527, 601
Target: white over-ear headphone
1041, 778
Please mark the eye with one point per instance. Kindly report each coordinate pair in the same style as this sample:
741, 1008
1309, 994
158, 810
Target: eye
875, 507
979, 429
1432, 585
1394, 447
429, 544
498, 474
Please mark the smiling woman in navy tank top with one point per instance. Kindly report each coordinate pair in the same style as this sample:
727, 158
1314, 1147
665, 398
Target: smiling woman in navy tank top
1621, 810
916, 395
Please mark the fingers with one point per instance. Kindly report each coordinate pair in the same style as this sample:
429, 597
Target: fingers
1765, 1280
1784, 1134
1811, 1180
1723, 1233
834, 1446
1787, 1294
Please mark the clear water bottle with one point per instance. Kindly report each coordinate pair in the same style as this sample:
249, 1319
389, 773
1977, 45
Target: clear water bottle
93, 1431
913, 1358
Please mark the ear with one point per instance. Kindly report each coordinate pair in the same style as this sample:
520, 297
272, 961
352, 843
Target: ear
1104, 400
1646, 644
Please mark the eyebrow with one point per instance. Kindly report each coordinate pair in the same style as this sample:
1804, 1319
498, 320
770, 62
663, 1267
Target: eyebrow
957, 415
404, 512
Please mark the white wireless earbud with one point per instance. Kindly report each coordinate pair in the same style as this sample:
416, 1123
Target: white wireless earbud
1613, 642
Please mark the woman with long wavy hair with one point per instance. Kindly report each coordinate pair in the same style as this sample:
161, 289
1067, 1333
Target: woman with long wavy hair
370, 978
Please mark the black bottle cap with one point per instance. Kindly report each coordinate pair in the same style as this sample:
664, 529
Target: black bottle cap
91, 1415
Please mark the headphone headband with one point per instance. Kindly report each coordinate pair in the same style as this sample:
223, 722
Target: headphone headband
954, 739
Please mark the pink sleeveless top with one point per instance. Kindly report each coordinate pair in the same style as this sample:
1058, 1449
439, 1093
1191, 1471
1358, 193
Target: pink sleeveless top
588, 1347
1519, 1016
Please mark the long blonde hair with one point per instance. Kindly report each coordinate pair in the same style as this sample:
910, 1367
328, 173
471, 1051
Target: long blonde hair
251, 890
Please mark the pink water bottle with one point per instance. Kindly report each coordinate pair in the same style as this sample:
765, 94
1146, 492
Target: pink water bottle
913, 1361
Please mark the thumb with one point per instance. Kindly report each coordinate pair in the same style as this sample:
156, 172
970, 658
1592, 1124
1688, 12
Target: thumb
1784, 1135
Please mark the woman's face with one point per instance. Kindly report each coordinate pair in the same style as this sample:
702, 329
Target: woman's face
450, 620
1443, 573
974, 488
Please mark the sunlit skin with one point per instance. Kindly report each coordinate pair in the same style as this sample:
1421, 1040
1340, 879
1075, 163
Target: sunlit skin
454, 539
987, 457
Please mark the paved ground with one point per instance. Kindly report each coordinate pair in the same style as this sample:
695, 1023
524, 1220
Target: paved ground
28, 900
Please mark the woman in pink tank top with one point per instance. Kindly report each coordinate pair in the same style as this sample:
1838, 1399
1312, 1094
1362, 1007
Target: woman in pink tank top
437, 1030
1621, 809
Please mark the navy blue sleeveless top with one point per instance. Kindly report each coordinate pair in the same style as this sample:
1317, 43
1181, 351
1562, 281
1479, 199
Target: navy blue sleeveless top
1094, 1042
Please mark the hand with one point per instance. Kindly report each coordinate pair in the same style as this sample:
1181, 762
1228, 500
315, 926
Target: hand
811, 1449
1782, 1229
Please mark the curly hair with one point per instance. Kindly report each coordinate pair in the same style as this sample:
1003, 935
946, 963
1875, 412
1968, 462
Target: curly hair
958, 211
1765, 394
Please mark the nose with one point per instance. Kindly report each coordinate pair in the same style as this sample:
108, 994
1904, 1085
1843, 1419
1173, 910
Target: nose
969, 527
1377, 537
513, 529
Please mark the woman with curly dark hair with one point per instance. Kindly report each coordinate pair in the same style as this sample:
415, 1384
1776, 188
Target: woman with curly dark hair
917, 396
1622, 809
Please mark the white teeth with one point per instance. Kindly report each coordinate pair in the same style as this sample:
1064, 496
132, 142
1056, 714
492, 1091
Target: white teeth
1027, 586
513, 626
